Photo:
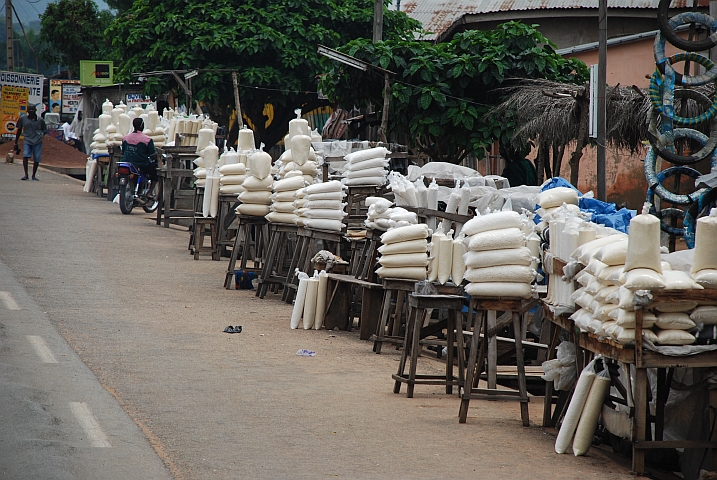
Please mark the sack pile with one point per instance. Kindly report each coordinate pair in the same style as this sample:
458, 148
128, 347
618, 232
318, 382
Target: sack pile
498, 264
366, 167
404, 253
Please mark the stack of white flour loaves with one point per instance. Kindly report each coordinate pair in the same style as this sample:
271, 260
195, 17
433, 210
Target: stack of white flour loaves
498, 264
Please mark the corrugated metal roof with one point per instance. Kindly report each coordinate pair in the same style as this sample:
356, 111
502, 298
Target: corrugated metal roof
437, 15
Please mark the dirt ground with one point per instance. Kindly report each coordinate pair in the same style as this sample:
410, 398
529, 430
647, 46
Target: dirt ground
54, 153
148, 319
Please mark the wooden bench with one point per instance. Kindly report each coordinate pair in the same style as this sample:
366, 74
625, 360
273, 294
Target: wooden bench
338, 309
308, 238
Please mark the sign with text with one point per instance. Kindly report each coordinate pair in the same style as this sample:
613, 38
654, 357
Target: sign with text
95, 73
13, 102
138, 100
33, 84
70, 96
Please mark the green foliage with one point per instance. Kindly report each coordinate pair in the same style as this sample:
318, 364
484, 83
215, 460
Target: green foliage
270, 43
441, 93
72, 31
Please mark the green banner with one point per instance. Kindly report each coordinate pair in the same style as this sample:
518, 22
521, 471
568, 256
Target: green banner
94, 73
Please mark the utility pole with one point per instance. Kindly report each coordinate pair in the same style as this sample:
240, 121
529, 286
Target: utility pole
240, 120
9, 35
602, 81
377, 21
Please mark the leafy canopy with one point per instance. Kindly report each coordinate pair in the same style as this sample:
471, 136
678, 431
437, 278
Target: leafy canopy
270, 43
70, 31
442, 92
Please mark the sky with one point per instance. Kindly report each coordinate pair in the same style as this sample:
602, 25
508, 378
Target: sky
30, 10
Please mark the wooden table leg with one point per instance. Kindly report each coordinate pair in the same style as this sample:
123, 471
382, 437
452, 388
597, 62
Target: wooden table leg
639, 421
522, 386
419, 317
492, 352
407, 342
554, 335
475, 318
383, 321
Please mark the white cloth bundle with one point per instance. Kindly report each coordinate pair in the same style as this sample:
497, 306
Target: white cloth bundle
404, 234
232, 179
503, 273
232, 169
490, 258
496, 239
324, 224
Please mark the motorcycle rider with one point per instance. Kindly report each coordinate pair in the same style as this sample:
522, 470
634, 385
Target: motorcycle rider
138, 149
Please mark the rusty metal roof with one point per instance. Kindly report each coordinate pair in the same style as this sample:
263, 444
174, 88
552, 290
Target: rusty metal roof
437, 15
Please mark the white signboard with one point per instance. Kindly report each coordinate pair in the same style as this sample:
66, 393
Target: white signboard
32, 82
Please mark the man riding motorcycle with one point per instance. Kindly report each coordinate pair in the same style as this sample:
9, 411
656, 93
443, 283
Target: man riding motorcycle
138, 149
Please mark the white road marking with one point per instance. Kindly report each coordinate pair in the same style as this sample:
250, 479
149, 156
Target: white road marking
9, 301
41, 348
90, 425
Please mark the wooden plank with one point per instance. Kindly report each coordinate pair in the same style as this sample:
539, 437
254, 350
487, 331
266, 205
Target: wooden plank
425, 212
370, 312
354, 281
653, 444
492, 351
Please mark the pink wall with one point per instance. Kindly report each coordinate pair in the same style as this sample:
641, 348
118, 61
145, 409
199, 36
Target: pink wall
627, 64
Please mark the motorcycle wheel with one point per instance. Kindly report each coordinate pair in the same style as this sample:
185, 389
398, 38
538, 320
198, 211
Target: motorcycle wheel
152, 207
127, 197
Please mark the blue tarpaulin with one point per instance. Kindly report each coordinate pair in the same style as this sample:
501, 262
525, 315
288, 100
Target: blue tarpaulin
602, 212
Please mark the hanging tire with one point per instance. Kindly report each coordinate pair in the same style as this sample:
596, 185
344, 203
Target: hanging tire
667, 31
127, 197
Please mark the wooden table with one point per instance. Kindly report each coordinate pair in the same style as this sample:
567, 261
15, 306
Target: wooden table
175, 172
338, 307
643, 359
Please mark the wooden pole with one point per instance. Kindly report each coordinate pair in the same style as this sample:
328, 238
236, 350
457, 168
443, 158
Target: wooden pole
384, 115
377, 21
602, 82
9, 36
240, 120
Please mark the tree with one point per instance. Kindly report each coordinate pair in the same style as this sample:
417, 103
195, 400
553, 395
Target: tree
72, 31
442, 93
270, 43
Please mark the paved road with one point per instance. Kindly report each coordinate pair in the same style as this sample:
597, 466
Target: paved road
135, 325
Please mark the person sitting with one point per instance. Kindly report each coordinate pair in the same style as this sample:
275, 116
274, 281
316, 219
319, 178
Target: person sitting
138, 149
518, 169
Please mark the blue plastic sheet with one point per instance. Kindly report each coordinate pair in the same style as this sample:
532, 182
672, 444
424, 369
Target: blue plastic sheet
558, 182
603, 213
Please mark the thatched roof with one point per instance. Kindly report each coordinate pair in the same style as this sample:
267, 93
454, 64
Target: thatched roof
548, 111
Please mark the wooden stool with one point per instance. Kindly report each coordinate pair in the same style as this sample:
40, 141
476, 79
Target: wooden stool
103, 166
420, 305
389, 325
478, 311
226, 218
307, 239
280, 248
244, 243
201, 224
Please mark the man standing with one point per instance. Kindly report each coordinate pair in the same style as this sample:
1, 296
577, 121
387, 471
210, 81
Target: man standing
34, 129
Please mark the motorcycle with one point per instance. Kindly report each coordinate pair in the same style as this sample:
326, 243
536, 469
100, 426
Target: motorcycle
134, 189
